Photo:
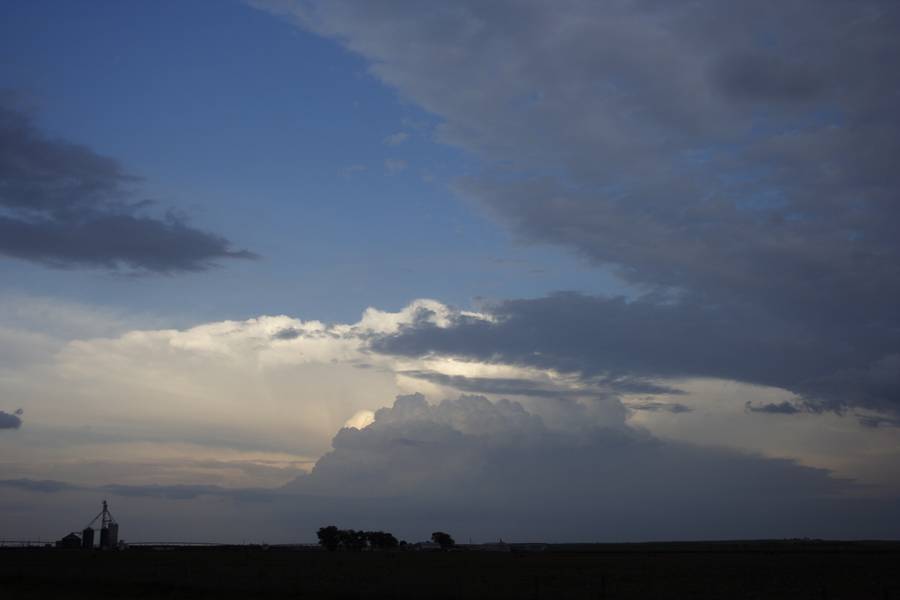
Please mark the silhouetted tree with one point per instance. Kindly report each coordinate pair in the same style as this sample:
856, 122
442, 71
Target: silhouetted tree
352, 539
381, 540
443, 540
333, 538
329, 537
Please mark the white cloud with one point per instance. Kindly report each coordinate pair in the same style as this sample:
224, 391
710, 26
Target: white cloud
361, 419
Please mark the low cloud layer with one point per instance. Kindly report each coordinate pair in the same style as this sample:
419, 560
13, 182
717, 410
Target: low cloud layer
65, 206
732, 162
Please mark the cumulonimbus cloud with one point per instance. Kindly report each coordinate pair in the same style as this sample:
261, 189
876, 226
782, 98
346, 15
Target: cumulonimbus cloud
63, 205
468, 460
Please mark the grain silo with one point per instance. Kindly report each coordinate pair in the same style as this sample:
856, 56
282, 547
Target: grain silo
87, 538
109, 530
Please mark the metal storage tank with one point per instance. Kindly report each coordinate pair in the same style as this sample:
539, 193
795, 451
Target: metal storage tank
113, 535
109, 531
87, 538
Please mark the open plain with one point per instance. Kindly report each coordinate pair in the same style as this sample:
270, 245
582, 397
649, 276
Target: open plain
771, 570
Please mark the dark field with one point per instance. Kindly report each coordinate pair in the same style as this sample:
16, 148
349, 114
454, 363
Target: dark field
796, 570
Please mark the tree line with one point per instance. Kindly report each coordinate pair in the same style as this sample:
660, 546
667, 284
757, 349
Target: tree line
332, 538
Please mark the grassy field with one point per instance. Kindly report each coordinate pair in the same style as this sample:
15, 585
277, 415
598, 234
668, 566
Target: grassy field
770, 570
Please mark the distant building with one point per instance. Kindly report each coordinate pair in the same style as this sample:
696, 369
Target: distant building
109, 533
70, 541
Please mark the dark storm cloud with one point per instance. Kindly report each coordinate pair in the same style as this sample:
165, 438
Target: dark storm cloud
651, 406
65, 206
493, 467
762, 78
608, 338
876, 421
772, 408
737, 159
10, 421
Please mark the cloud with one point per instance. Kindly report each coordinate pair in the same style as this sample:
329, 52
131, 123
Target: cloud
494, 385
655, 338
395, 139
361, 419
65, 206
492, 469
874, 384
875, 421
175, 492
650, 406
475, 464
781, 408
766, 78
288, 333
251, 403
734, 163
109, 381
598, 387
44, 486
10, 421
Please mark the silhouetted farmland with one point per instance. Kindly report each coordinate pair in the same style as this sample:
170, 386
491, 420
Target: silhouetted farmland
796, 570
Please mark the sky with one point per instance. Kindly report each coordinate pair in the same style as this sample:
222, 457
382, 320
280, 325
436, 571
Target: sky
568, 271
